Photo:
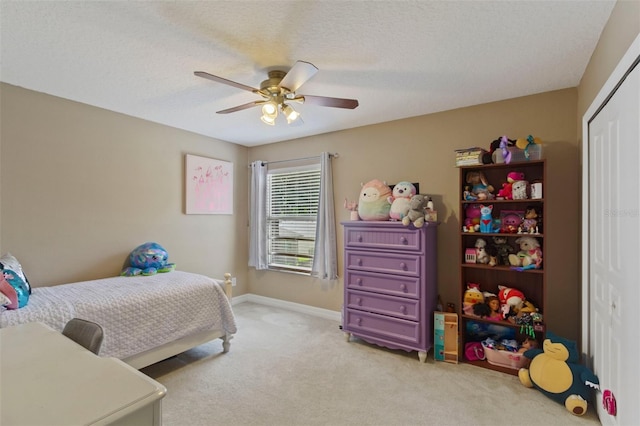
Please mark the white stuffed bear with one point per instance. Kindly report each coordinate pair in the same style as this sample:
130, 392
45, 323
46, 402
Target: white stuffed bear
399, 200
529, 256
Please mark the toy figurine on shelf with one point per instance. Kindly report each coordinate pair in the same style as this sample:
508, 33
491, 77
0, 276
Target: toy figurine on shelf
467, 195
530, 221
481, 251
486, 220
503, 249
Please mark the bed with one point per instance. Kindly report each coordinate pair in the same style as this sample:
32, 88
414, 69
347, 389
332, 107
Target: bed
145, 318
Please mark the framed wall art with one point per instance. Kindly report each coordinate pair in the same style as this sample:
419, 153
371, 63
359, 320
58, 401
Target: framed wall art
208, 185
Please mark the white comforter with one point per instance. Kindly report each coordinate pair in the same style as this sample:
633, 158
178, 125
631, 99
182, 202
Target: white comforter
137, 313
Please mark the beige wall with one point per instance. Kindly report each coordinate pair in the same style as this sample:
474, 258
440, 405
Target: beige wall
82, 186
421, 150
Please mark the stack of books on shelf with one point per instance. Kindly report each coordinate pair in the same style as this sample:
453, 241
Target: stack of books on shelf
469, 156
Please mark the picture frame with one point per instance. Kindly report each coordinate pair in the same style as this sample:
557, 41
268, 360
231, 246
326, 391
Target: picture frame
208, 185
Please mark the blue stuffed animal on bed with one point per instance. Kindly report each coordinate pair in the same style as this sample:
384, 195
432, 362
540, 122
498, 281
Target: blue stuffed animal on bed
147, 259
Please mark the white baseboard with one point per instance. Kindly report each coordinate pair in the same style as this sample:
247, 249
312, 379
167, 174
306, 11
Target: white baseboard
297, 307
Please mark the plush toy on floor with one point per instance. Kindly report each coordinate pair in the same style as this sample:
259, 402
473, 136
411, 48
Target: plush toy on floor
147, 259
555, 371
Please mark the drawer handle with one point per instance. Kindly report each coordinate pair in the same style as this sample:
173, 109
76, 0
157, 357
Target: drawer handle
403, 287
403, 309
403, 266
403, 240
359, 301
359, 238
359, 281
359, 262
359, 321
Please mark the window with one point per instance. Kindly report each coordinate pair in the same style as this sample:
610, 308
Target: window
292, 209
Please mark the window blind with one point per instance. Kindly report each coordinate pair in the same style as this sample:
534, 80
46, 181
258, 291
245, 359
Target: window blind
292, 210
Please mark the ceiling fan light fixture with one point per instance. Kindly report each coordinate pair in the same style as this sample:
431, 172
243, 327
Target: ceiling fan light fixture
270, 109
269, 119
290, 113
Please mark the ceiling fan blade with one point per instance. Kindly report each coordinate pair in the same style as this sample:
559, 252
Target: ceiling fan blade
225, 81
299, 74
330, 102
240, 107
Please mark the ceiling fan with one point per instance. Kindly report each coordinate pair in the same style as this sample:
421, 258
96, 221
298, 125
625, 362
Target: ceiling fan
279, 89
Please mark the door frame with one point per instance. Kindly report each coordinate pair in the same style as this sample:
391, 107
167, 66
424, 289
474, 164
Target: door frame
609, 88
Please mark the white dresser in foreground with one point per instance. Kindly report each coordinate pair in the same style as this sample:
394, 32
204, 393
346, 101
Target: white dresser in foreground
47, 379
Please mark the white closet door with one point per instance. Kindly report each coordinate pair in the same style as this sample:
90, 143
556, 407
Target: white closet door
614, 254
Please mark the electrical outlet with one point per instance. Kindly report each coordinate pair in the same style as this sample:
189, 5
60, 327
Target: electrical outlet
233, 281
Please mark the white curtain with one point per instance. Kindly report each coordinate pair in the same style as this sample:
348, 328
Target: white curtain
258, 216
325, 259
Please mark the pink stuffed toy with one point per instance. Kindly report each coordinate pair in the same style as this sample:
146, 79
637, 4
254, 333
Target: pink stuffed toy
506, 191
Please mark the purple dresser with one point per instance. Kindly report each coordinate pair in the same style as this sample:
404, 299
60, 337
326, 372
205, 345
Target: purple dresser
390, 284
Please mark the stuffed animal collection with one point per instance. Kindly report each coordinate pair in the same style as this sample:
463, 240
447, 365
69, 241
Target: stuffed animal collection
147, 259
379, 202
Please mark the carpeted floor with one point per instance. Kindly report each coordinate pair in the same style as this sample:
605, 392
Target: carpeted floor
288, 368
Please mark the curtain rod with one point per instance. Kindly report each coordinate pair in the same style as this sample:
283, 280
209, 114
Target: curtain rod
334, 155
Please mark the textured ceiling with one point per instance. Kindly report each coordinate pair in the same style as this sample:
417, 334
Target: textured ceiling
398, 58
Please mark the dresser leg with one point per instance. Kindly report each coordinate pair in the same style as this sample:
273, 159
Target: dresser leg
422, 356
347, 336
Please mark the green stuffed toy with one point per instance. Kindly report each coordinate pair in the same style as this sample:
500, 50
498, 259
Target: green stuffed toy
556, 372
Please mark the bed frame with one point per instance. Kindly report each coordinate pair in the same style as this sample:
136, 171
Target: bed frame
176, 347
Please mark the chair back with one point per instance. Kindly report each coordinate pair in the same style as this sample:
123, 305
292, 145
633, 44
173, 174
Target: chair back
87, 334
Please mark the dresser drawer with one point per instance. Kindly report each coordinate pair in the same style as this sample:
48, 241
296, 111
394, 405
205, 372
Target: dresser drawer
383, 304
393, 263
388, 239
388, 328
394, 285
